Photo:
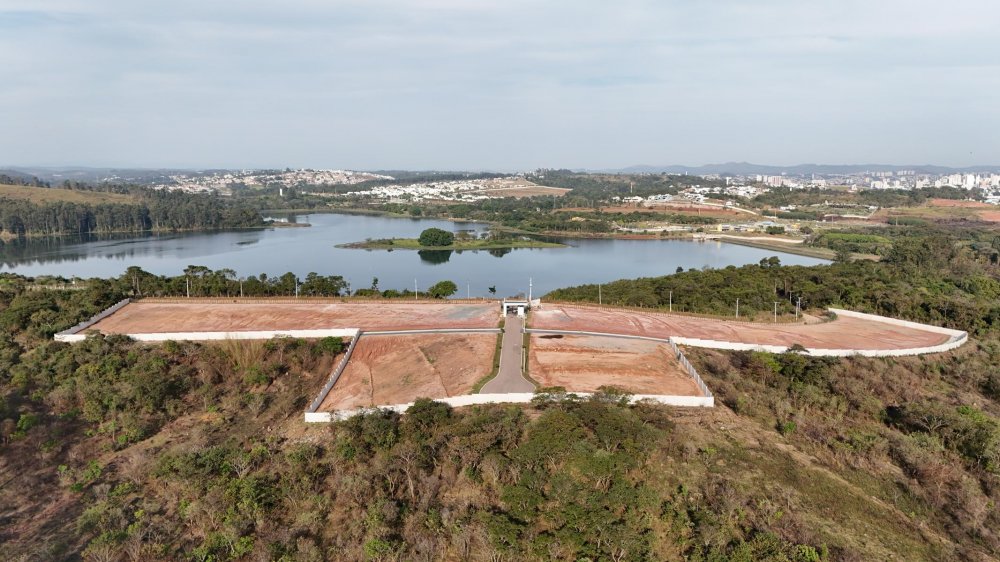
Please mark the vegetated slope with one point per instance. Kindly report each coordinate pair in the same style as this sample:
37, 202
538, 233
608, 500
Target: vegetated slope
199, 451
41, 195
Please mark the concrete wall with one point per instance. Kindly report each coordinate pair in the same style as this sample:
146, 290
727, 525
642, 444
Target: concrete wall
207, 336
512, 398
334, 376
73, 334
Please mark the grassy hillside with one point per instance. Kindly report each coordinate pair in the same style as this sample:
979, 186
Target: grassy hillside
199, 452
39, 195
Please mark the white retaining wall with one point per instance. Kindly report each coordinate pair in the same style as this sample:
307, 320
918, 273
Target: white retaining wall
73, 334
334, 376
511, 398
205, 336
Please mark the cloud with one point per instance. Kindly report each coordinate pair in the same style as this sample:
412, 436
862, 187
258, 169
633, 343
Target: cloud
494, 84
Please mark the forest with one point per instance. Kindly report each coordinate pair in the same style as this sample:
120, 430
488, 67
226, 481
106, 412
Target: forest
197, 451
151, 211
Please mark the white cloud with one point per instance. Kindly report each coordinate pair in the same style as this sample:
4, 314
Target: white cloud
500, 84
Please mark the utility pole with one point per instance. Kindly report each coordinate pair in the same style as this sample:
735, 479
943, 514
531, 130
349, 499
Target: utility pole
776, 312
187, 282
468, 290
414, 288
737, 308
530, 286
600, 299
241, 287
296, 287
798, 307
671, 300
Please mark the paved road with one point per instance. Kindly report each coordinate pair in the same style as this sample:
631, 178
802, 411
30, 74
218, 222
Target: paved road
509, 378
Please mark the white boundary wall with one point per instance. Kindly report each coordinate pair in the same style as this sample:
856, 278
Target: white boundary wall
206, 336
73, 334
511, 398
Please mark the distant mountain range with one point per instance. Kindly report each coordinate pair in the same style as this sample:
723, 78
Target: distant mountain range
746, 169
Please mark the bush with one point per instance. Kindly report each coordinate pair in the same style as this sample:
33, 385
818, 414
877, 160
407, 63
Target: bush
436, 237
443, 289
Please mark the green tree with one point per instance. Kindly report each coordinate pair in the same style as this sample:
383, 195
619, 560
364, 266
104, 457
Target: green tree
443, 289
436, 237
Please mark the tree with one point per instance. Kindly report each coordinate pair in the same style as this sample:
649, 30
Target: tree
436, 237
443, 289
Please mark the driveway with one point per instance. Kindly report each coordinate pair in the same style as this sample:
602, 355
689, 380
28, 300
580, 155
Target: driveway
509, 378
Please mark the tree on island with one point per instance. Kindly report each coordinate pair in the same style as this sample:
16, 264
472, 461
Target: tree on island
442, 289
436, 237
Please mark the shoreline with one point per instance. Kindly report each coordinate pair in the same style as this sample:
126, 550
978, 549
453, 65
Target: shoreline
786, 248
413, 244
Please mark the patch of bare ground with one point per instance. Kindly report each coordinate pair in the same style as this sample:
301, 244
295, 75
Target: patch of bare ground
387, 370
586, 363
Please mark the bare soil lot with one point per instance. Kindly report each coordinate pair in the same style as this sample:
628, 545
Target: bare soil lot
842, 333
182, 316
387, 370
585, 363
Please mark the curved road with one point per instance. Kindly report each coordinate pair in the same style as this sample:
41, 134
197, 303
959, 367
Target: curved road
509, 377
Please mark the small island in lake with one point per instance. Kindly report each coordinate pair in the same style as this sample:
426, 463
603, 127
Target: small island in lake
437, 239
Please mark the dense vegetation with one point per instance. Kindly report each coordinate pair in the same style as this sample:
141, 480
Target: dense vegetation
198, 452
150, 211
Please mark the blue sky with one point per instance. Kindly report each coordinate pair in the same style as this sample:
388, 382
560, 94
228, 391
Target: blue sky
505, 84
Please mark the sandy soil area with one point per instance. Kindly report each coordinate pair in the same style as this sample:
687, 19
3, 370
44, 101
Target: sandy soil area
585, 363
149, 317
388, 370
843, 333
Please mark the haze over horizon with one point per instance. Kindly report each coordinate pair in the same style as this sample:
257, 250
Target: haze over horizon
443, 84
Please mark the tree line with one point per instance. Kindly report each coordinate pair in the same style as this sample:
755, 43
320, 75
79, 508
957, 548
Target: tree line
153, 211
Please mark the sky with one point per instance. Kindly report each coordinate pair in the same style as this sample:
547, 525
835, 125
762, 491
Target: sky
497, 84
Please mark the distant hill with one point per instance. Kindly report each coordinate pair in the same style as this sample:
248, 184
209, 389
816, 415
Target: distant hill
746, 168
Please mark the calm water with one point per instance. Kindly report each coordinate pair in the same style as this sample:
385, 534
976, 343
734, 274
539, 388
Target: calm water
301, 250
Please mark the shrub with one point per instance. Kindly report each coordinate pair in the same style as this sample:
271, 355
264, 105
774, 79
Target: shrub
436, 237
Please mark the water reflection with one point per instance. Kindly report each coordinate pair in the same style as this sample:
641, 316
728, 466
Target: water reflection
434, 257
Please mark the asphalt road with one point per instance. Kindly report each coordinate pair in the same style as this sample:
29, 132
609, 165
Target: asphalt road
509, 378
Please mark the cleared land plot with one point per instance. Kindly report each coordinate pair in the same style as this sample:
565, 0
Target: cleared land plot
586, 363
842, 333
51, 194
159, 317
518, 189
386, 370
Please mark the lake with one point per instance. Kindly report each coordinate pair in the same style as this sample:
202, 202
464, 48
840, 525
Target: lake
300, 250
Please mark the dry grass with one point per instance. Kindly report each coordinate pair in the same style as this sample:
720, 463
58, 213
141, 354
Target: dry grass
244, 354
53, 195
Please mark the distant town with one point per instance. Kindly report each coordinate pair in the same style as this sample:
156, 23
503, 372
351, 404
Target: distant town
719, 185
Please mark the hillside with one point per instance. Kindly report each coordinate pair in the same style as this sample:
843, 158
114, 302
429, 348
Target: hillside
187, 451
41, 195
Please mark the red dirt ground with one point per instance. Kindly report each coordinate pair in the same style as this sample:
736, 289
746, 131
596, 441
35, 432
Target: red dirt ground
585, 363
387, 370
158, 317
842, 333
